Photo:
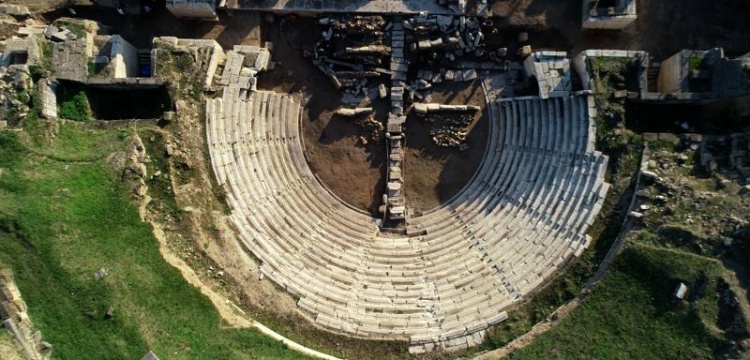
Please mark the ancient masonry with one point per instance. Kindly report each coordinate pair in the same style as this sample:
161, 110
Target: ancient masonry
457, 268
16, 321
453, 271
394, 197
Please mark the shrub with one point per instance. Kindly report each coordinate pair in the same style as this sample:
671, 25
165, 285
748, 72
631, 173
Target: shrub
77, 108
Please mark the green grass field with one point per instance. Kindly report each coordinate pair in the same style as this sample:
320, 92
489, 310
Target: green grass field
64, 214
631, 315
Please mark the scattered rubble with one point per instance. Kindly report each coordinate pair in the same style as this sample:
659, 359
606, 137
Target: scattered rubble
728, 154
100, 274
373, 128
690, 203
16, 320
448, 123
14, 10
351, 50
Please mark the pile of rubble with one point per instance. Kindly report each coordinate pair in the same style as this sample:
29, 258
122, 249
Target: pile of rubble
728, 154
373, 129
59, 32
442, 39
449, 137
16, 320
365, 119
449, 130
351, 51
366, 28
19, 55
15, 93
448, 123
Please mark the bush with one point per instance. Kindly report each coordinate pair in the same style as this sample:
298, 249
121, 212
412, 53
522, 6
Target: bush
77, 108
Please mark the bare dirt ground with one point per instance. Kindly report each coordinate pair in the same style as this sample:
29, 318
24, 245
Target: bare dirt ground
8, 348
433, 174
240, 28
356, 172
662, 28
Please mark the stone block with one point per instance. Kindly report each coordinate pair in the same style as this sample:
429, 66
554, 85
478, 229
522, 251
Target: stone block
669, 137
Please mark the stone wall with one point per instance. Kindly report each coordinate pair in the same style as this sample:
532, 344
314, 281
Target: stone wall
618, 19
672, 74
124, 56
192, 9
551, 69
609, 22
16, 321
215, 52
580, 64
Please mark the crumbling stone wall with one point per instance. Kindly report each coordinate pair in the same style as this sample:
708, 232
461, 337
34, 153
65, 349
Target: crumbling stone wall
17, 322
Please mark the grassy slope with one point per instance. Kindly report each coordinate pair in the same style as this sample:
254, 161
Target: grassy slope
62, 219
630, 314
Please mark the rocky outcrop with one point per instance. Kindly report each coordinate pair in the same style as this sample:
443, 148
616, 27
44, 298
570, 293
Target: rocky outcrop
135, 174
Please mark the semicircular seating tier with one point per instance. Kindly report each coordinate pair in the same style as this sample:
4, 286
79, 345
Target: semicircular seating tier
523, 215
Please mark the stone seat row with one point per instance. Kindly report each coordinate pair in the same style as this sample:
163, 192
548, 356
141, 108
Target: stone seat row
272, 251
523, 215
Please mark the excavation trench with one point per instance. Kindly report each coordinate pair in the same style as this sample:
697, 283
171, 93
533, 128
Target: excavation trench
115, 103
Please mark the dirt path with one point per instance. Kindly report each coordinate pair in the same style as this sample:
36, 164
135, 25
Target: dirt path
232, 314
433, 174
522, 341
8, 348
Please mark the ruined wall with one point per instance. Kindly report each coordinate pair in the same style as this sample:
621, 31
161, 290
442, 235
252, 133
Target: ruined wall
580, 64
551, 69
125, 58
192, 9
615, 21
609, 22
16, 321
206, 47
671, 74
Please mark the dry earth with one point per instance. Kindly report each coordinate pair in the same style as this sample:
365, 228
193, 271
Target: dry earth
356, 172
8, 348
434, 174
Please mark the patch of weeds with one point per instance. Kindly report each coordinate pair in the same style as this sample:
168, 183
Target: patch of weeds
160, 187
696, 62
122, 134
77, 108
75, 27
184, 62
659, 145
